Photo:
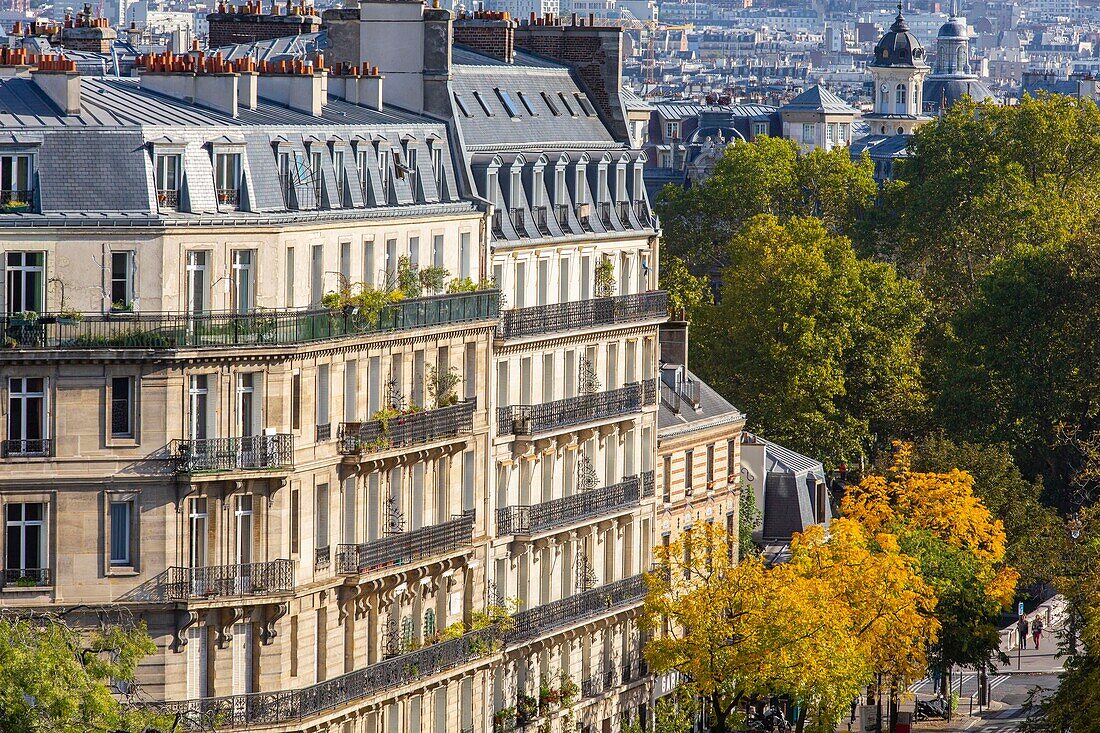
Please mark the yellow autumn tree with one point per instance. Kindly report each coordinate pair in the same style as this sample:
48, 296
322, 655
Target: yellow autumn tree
958, 544
817, 628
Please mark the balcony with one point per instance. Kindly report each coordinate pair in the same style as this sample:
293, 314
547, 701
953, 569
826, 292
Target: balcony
604, 210
324, 432
260, 328
539, 215
623, 208
674, 397
407, 547
220, 581
405, 431
584, 212
578, 314
646, 483
25, 578
16, 201
26, 448
561, 211
289, 706
168, 198
322, 558
213, 455
571, 411
543, 619
229, 197
526, 520
498, 224
518, 220
641, 210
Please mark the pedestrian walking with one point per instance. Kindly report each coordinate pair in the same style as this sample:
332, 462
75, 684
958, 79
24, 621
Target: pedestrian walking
1037, 630
1021, 630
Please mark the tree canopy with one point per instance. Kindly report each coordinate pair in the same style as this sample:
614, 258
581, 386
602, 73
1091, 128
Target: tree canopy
813, 343
54, 677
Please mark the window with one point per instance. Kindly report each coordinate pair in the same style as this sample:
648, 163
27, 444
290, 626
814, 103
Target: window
249, 404
227, 178
437, 250
199, 407
289, 278
122, 407
689, 468
296, 402
672, 130
197, 282
121, 516
345, 264
585, 105
845, 131
338, 165
481, 102
295, 521
506, 100
27, 424
244, 280
286, 178
197, 519
411, 157
759, 129
461, 105
322, 397
831, 132
710, 466
437, 165
368, 262
122, 281
807, 132
549, 104
16, 179
26, 281
168, 168
351, 389
527, 104
565, 103
315, 164
317, 275
384, 171
25, 542
362, 162
322, 516
901, 95
429, 623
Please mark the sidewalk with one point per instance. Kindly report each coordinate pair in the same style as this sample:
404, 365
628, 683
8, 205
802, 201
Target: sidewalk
1030, 660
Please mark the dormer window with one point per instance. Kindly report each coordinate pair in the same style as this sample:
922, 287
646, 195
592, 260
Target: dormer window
384, 171
411, 167
437, 165
169, 167
338, 164
227, 178
16, 181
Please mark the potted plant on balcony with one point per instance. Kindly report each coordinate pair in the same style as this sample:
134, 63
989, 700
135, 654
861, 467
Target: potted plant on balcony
432, 279
504, 720
568, 689
24, 328
441, 386
605, 278
527, 709
26, 581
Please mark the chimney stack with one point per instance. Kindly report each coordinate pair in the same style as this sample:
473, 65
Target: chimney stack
59, 80
489, 33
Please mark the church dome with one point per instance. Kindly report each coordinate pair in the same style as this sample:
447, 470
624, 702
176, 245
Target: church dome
953, 30
899, 47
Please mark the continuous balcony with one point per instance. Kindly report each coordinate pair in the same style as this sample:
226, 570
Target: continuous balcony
259, 328
571, 411
528, 520
220, 455
407, 547
294, 706
405, 431
580, 314
549, 617
221, 581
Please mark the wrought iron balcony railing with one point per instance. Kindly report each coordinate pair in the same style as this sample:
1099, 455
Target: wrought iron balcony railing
322, 558
285, 706
26, 448
535, 622
168, 198
258, 328
498, 224
324, 432
532, 419
591, 313
562, 213
647, 483
255, 453
407, 547
229, 196
15, 200
584, 212
252, 579
641, 210
623, 208
522, 519
539, 214
403, 431
26, 577
604, 210
518, 220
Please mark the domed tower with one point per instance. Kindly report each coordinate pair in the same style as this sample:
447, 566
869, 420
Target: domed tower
898, 71
952, 78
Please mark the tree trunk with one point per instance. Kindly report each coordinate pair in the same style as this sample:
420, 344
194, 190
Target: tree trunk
719, 714
800, 723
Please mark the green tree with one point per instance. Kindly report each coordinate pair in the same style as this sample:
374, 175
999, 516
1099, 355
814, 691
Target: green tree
768, 176
685, 291
1017, 364
815, 344
985, 180
54, 677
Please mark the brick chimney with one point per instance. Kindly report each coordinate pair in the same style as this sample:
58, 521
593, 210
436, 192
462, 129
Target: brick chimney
87, 32
595, 54
489, 33
248, 23
58, 79
205, 82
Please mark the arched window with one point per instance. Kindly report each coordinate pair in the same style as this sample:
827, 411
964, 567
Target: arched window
961, 55
901, 94
429, 623
406, 634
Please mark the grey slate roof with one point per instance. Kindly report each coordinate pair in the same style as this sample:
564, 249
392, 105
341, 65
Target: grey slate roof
789, 490
882, 147
277, 49
473, 72
818, 99
713, 409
